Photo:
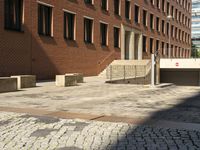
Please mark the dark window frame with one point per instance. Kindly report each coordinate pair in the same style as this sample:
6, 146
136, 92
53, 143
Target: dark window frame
69, 26
13, 20
45, 20
88, 30
116, 37
104, 34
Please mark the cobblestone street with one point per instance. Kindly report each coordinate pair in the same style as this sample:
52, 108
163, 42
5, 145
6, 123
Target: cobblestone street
22, 131
95, 115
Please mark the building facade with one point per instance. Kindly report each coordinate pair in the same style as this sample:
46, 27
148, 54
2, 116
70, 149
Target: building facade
196, 23
49, 37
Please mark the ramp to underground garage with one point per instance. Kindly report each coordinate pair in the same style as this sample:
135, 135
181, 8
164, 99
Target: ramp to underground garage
180, 71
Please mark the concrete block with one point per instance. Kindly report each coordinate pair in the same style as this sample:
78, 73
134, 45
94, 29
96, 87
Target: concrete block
8, 84
66, 80
79, 77
25, 81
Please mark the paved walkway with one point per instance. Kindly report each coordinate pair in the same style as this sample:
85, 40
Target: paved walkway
113, 117
96, 97
22, 131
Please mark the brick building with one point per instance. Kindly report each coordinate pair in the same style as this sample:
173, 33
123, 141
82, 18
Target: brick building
48, 37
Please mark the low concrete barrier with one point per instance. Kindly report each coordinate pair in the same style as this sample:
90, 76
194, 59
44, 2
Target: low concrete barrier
66, 80
8, 84
79, 77
25, 81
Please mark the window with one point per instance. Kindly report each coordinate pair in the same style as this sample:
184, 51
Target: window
104, 5
163, 26
69, 26
158, 4
163, 48
13, 14
167, 51
137, 14
168, 7
163, 5
151, 45
157, 45
158, 24
144, 17
168, 29
152, 2
88, 1
117, 7
127, 9
104, 33
88, 30
44, 20
172, 11
144, 43
116, 37
151, 21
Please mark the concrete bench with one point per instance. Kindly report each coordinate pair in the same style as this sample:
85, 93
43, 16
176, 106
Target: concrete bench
25, 81
79, 77
66, 80
8, 84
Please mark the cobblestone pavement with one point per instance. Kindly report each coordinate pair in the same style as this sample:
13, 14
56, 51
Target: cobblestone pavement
24, 132
96, 97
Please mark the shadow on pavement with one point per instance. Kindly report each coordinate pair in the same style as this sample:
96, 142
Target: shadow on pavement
155, 133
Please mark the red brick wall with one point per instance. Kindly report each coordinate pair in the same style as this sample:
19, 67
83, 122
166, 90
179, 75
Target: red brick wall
28, 53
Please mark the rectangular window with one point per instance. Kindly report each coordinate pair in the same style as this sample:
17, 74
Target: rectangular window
152, 2
117, 7
151, 21
144, 17
158, 4
163, 5
157, 24
13, 14
144, 43
137, 14
88, 1
163, 48
168, 7
168, 29
116, 37
157, 45
167, 51
44, 20
104, 5
69, 26
88, 30
151, 45
104, 33
163, 26
127, 9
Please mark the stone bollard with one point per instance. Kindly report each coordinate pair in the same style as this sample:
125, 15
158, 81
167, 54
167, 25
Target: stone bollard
8, 84
25, 81
66, 80
79, 77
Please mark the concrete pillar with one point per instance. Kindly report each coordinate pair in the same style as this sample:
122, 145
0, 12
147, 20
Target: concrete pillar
140, 48
132, 46
122, 42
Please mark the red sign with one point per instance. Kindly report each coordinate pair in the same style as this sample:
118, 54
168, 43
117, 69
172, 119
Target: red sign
177, 64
